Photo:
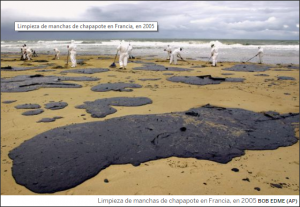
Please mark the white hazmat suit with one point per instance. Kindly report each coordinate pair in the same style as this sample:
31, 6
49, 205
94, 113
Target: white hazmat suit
123, 49
57, 52
24, 54
169, 51
174, 55
214, 55
72, 50
29, 53
260, 54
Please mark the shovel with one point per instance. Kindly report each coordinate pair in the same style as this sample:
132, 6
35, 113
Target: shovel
250, 59
113, 65
185, 60
208, 60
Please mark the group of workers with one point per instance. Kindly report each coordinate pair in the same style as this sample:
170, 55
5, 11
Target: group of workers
172, 55
125, 50
71, 52
27, 53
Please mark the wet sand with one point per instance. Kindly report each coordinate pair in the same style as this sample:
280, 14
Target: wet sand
175, 176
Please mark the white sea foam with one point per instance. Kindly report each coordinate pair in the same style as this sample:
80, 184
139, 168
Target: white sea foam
194, 44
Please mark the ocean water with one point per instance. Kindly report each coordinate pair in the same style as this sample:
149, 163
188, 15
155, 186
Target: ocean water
275, 51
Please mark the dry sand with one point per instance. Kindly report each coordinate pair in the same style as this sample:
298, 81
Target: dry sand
174, 176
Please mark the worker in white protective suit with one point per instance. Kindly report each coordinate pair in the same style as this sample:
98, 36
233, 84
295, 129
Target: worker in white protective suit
29, 53
129, 51
123, 49
176, 53
23, 52
169, 51
260, 54
72, 50
214, 55
57, 52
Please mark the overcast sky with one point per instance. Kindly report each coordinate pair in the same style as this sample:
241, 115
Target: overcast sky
176, 19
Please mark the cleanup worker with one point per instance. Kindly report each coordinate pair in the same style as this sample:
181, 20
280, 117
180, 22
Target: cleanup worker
176, 53
72, 50
57, 52
29, 53
23, 52
214, 55
129, 51
169, 51
260, 54
123, 49
34, 53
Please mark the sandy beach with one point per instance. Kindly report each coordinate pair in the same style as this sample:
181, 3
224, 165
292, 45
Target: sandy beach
260, 172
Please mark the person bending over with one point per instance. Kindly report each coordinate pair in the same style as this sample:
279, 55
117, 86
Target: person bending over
176, 53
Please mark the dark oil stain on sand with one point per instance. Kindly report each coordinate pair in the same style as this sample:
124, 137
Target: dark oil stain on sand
203, 80
87, 70
121, 87
28, 106
64, 157
154, 67
33, 112
25, 83
248, 68
46, 120
102, 107
9, 101
9, 68
56, 105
